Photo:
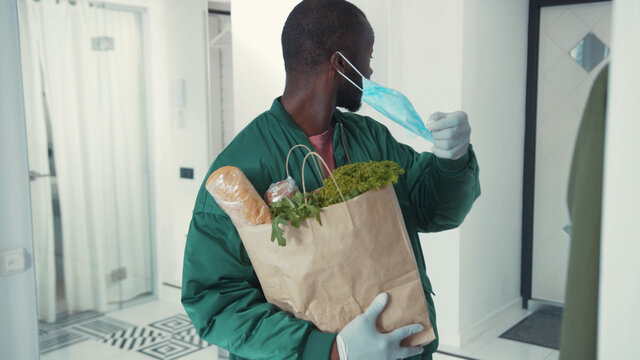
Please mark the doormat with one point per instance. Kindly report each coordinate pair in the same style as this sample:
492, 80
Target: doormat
540, 328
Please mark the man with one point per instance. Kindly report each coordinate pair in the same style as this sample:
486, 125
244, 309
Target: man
220, 292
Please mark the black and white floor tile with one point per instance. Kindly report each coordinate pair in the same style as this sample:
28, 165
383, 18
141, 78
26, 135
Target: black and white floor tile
169, 349
190, 336
102, 327
173, 324
53, 340
136, 337
160, 330
69, 330
168, 338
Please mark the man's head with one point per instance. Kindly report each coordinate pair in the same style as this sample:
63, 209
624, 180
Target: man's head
314, 31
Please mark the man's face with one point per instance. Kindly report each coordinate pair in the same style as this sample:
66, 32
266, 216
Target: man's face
348, 96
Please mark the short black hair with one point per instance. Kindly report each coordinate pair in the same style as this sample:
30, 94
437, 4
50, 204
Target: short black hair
315, 29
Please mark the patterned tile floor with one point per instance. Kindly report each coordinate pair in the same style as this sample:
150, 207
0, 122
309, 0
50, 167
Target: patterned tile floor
161, 330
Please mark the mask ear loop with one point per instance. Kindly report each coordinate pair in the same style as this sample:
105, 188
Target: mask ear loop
354, 68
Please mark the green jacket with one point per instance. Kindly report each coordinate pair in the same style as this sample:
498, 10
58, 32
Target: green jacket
220, 290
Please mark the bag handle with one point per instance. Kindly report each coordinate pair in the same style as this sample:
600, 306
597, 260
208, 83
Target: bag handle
318, 157
308, 151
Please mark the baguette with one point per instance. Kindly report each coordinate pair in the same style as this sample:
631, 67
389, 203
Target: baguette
237, 197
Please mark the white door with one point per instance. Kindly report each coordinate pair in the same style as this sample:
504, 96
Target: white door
574, 41
18, 311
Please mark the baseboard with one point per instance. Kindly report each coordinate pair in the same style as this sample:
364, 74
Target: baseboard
511, 310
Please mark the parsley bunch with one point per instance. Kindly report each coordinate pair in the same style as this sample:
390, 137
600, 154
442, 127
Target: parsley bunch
293, 211
358, 178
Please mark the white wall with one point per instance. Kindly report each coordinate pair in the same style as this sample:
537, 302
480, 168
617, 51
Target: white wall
18, 310
425, 63
619, 266
258, 69
493, 94
185, 47
444, 55
176, 49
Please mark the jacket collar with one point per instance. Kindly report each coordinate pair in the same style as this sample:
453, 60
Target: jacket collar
283, 116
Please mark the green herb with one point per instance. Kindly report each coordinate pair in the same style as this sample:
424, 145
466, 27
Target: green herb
355, 179
293, 211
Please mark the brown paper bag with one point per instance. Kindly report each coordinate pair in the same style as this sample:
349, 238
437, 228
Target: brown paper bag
329, 274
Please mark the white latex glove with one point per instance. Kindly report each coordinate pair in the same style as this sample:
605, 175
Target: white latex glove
360, 339
451, 134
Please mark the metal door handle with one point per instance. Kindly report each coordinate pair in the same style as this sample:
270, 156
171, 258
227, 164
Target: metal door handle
33, 175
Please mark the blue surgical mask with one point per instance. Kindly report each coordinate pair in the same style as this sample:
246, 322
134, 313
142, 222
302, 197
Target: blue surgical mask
390, 103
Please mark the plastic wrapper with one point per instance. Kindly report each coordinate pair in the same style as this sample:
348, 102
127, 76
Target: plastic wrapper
237, 197
280, 190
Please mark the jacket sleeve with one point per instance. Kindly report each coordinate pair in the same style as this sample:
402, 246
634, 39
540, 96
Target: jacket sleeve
441, 191
222, 296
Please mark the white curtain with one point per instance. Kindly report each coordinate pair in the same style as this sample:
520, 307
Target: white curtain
91, 70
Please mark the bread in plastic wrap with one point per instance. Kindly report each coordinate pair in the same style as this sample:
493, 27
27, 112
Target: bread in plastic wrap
280, 190
237, 197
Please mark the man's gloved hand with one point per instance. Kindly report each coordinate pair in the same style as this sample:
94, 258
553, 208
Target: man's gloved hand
360, 339
451, 134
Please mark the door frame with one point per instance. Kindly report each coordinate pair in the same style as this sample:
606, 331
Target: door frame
526, 272
214, 133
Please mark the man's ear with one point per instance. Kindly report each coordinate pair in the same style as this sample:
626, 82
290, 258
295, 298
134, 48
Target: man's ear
338, 63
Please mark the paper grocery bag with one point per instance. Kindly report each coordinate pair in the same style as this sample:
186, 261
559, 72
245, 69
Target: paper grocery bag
329, 274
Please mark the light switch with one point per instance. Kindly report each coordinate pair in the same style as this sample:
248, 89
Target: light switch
186, 173
13, 261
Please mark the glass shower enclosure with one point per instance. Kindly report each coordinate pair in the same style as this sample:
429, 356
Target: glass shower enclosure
84, 85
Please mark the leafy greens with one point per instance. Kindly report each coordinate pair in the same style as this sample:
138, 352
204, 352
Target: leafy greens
358, 178
353, 180
293, 211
